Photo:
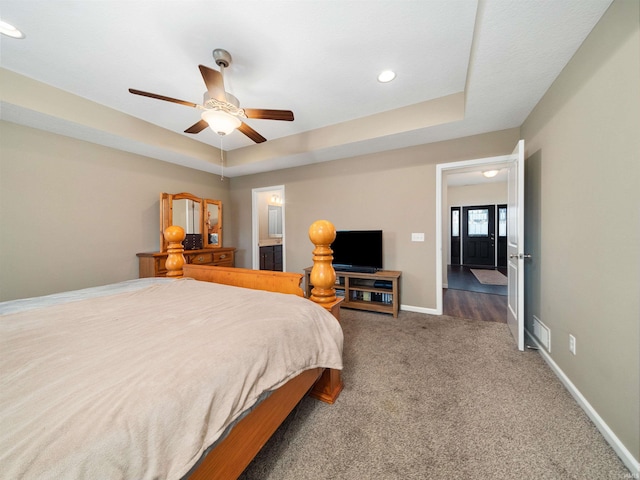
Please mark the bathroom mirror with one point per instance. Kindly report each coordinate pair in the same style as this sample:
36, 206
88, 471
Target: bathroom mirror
275, 221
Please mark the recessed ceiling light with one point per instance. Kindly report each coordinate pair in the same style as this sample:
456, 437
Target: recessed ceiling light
10, 31
490, 173
386, 76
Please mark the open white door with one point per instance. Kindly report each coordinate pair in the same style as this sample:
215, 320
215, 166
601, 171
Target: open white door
515, 245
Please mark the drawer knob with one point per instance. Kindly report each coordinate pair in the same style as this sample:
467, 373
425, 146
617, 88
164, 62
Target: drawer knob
200, 258
223, 256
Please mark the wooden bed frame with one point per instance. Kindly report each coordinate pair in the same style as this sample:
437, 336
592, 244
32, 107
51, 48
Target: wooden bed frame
232, 454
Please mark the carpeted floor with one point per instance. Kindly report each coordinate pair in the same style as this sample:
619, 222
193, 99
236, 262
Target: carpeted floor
430, 397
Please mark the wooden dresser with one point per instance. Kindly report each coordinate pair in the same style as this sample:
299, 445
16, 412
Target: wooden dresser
152, 263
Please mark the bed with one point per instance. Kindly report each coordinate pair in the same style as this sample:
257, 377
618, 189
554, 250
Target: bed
183, 377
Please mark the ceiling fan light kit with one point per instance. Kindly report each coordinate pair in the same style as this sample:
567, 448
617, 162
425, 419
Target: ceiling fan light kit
221, 122
222, 112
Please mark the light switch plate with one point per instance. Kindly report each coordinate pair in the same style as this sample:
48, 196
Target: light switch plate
417, 237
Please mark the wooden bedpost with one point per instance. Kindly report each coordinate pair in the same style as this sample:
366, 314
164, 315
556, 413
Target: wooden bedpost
174, 235
322, 233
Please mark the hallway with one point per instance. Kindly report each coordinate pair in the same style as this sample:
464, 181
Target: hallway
466, 297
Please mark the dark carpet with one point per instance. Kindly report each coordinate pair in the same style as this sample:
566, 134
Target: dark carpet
430, 397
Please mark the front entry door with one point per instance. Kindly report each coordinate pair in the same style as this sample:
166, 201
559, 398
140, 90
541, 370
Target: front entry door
478, 236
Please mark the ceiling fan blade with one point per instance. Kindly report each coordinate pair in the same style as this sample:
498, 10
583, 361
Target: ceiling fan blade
269, 114
251, 133
197, 127
162, 97
214, 82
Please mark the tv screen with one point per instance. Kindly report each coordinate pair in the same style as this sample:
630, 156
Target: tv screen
357, 250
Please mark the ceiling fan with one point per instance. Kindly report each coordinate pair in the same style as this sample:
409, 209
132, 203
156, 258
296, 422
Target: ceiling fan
221, 110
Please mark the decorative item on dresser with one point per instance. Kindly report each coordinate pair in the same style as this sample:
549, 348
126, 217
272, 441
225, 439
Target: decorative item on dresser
201, 220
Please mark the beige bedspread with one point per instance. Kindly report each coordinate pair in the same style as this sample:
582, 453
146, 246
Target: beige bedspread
138, 384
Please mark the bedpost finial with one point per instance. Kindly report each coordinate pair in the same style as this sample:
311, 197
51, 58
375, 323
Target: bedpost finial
322, 233
174, 235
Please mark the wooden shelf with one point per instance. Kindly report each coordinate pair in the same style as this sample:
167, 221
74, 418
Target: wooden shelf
360, 292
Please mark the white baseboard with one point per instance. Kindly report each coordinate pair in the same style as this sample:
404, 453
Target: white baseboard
410, 308
625, 455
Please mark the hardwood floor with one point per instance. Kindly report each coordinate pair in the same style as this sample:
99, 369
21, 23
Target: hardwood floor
461, 278
475, 306
467, 298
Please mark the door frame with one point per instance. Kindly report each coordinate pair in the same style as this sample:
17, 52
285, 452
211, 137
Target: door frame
255, 225
442, 169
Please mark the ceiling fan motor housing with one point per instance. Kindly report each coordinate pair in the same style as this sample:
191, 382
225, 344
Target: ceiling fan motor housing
222, 57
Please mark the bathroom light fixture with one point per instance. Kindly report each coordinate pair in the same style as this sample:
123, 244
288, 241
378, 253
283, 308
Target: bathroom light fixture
10, 31
490, 173
276, 200
386, 76
221, 122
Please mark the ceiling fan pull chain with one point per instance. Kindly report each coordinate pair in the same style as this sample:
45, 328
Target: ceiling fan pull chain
221, 160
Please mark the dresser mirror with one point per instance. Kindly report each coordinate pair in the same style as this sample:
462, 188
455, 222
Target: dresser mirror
200, 218
212, 223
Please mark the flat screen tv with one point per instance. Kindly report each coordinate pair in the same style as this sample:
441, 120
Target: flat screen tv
357, 250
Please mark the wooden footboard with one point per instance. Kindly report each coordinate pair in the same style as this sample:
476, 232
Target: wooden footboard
281, 282
232, 455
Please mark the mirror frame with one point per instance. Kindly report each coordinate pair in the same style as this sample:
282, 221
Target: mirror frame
217, 227
166, 217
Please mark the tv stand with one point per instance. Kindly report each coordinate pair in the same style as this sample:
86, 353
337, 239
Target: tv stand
375, 292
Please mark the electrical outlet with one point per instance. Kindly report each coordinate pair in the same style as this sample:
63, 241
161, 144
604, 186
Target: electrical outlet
417, 237
572, 344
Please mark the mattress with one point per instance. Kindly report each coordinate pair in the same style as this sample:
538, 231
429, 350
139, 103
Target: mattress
138, 381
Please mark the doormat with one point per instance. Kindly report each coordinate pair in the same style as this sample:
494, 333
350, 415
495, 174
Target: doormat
489, 277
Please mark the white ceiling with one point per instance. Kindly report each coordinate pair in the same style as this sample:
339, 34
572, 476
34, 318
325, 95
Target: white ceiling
318, 58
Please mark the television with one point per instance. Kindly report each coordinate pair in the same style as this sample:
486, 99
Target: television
357, 251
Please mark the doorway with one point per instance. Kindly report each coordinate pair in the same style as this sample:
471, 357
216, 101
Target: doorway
514, 166
444, 216
268, 228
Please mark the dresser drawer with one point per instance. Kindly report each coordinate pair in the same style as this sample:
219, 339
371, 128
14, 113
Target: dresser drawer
153, 264
201, 258
160, 267
223, 257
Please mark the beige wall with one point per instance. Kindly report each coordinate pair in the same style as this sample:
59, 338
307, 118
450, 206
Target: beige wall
493, 193
583, 178
75, 214
393, 191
